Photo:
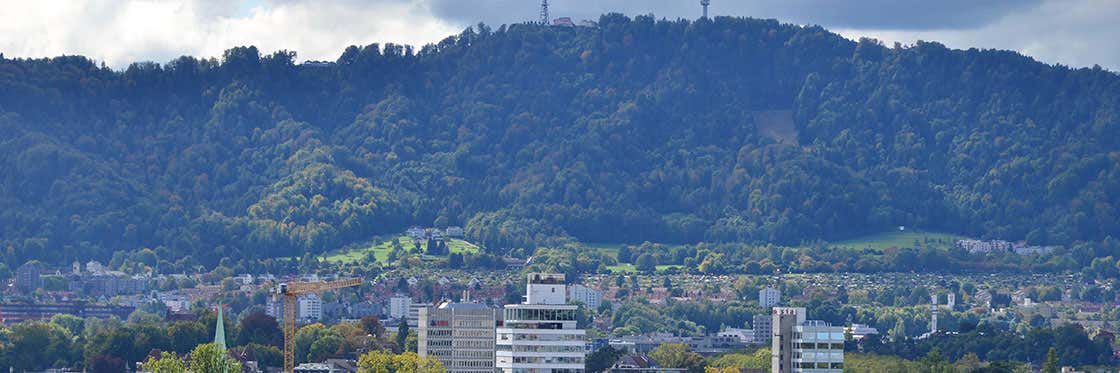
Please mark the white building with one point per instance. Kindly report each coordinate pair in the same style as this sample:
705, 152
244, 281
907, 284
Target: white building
805, 346
94, 267
309, 307
540, 335
590, 298
859, 331
745, 336
399, 306
460, 335
769, 297
274, 307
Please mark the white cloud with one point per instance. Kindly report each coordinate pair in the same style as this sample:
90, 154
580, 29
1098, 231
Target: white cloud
1072, 32
123, 32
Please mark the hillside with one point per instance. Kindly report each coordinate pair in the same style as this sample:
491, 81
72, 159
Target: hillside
666, 131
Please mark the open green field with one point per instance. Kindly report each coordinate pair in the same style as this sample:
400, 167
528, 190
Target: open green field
381, 250
629, 268
880, 241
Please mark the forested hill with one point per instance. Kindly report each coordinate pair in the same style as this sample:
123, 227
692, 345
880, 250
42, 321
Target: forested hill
730, 129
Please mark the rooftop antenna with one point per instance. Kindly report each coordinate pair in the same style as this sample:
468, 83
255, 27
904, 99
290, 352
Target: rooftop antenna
544, 12
705, 3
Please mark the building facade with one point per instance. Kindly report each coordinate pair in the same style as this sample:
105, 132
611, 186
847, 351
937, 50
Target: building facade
29, 277
763, 328
309, 308
590, 298
460, 335
398, 306
540, 335
800, 346
769, 297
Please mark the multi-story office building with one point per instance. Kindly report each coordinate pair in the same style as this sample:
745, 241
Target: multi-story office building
801, 346
769, 297
460, 335
540, 335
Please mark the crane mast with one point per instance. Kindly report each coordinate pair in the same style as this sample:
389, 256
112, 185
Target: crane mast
289, 291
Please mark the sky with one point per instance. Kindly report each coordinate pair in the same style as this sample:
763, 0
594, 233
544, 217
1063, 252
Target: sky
1077, 33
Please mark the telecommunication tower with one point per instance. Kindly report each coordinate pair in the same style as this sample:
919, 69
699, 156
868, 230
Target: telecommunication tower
544, 12
705, 3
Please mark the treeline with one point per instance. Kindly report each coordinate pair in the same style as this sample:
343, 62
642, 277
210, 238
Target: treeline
113, 345
720, 130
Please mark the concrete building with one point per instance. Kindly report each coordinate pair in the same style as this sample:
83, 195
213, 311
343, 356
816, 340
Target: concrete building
805, 346
540, 335
29, 277
399, 305
590, 298
309, 308
20, 312
94, 267
763, 328
460, 335
769, 297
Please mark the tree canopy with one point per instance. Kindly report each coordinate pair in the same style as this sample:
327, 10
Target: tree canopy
723, 129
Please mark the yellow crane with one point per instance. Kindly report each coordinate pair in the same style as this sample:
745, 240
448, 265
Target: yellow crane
289, 291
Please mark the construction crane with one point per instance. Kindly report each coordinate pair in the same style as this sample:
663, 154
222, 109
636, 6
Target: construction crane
289, 291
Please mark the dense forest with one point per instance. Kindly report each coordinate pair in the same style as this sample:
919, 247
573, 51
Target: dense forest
716, 130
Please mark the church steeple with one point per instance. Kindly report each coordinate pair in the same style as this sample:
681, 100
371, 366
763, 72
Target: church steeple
220, 337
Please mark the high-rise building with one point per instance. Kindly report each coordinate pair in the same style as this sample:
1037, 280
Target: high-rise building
460, 335
399, 305
805, 346
590, 298
309, 307
763, 328
769, 297
540, 335
29, 277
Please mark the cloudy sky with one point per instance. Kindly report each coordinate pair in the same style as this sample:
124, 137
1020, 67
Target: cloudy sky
1071, 32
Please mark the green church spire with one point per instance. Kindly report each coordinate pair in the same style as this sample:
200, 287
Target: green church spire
220, 330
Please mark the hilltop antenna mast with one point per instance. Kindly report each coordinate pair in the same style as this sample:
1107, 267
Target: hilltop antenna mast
705, 3
544, 12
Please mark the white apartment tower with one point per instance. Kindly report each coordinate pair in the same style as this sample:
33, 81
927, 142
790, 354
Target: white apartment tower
801, 346
309, 307
540, 335
399, 305
590, 298
460, 335
769, 297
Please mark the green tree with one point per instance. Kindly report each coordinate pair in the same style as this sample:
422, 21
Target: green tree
402, 334
167, 362
677, 355
645, 263
208, 357
1051, 363
408, 362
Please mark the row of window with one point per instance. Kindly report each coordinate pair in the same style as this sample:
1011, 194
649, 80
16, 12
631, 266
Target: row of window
524, 348
539, 337
548, 360
820, 336
819, 346
821, 365
545, 315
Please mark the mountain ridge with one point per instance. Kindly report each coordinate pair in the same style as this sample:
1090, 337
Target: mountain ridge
640, 129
